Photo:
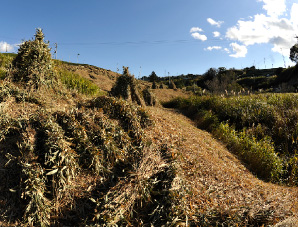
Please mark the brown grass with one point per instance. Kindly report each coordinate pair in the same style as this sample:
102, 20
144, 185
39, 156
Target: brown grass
165, 95
103, 78
211, 181
180, 175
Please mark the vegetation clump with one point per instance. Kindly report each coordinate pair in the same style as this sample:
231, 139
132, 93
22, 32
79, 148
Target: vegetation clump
5, 62
44, 156
154, 85
172, 85
260, 129
78, 83
149, 97
33, 63
294, 53
126, 88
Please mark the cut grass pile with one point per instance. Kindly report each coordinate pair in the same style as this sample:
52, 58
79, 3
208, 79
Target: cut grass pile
44, 155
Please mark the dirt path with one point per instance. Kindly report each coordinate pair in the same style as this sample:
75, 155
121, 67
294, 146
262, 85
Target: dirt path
212, 181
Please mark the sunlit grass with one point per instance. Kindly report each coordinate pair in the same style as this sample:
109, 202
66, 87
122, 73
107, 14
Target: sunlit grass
249, 125
78, 83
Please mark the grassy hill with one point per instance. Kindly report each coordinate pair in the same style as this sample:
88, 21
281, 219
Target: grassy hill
72, 155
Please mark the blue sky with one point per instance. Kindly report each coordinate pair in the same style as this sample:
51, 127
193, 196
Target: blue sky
165, 36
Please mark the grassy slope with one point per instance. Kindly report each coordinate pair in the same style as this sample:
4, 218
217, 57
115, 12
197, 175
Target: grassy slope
216, 179
211, 181
204, 183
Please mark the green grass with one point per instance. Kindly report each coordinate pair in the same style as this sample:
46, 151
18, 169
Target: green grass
261, 129
5, 61
2, 74
78, 83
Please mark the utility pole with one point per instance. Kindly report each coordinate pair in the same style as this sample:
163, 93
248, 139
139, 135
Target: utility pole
78, 58
55, 52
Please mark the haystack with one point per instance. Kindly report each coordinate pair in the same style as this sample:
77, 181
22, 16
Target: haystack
154, 85
161, 86
149, 97
126, 88
172, 85
33, 64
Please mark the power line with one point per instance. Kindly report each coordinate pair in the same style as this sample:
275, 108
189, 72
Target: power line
154, 42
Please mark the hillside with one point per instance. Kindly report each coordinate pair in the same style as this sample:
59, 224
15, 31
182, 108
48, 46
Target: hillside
72, 155
181, 175
211, 183
101, 77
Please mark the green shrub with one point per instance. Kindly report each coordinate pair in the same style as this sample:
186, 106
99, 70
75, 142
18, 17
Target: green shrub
255, 119
2, 74
258, 155
6, 60
76, 82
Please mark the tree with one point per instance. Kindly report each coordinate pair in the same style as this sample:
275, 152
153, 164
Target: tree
294, 53
210, 74
153, 77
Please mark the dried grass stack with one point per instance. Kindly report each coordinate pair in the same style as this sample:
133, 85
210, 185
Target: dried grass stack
126, 88
172, 85
149, 97
33, 64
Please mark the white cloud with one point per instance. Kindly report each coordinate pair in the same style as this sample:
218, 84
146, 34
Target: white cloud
216, 34
5, 47
262, 29
198, 36
227, 50
210, 48
240, 51
215, 23
294, 15
195, 29
274, 8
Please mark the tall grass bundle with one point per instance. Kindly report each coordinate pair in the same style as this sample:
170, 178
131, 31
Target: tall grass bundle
149, 97
126, 88
33, 63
